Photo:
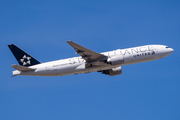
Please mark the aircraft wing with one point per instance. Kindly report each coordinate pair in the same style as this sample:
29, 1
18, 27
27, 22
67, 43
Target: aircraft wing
88, 55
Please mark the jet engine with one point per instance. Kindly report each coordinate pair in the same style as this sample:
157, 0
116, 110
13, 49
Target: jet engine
115, 60
112, 72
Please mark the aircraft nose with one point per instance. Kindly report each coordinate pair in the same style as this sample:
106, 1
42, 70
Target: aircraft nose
171, 50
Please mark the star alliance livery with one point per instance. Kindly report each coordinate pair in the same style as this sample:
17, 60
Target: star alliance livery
108, 63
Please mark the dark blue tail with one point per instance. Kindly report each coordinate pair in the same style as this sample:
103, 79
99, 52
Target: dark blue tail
22, 57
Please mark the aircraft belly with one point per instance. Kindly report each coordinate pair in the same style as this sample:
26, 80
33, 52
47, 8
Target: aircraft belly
80, 69
64, 70
100, 68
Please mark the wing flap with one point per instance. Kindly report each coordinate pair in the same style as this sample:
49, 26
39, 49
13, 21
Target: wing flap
85, 53
22, 68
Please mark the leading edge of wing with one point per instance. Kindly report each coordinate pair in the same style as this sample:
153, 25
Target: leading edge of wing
85, 53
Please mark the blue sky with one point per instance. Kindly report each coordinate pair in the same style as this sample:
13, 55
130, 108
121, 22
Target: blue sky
144, 91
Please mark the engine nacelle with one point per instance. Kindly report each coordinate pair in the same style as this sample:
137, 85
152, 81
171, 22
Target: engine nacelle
113, 71
115, 60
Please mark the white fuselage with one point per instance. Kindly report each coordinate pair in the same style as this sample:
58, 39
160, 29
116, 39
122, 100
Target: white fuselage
77, 65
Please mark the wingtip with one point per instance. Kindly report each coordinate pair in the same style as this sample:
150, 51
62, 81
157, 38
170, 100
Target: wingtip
12, 65
68, 41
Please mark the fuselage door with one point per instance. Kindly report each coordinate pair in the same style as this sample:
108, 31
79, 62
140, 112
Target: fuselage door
71, 61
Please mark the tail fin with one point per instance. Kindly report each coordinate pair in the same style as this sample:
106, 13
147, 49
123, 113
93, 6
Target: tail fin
22, 57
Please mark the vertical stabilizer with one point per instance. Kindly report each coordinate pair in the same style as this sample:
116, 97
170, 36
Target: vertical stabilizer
22, 57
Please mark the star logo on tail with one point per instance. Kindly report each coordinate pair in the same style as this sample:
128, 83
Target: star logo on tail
26, 60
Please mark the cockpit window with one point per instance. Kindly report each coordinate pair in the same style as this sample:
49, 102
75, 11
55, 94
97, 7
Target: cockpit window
167, 47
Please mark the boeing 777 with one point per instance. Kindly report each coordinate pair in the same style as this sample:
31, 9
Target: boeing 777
108, 63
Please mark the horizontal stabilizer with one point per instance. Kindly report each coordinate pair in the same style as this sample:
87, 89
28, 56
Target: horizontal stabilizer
22, 68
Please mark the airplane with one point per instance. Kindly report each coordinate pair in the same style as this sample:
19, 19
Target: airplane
108, 63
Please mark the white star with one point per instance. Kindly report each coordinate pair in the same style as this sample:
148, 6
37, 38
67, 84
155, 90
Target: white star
27, 58
22, 60
24, 56
29, 62
24, 63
